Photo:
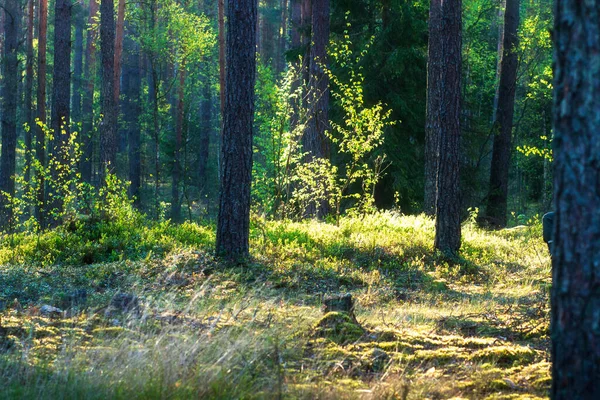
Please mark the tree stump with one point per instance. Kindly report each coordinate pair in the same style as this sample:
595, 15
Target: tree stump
339, 303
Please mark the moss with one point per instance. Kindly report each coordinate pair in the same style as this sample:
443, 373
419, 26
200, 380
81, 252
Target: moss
506, 355
339, 328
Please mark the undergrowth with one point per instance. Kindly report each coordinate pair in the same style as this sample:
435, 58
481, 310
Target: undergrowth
426, 327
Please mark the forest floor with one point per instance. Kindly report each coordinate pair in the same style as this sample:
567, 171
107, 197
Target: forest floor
147, 312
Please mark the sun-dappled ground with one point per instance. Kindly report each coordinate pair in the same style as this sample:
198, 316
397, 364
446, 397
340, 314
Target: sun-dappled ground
147, 311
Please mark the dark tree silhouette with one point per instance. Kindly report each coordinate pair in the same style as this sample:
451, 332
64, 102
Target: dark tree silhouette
498, 189
575, 323
61, 94
443, 119
108, 125
233, 226
8, 112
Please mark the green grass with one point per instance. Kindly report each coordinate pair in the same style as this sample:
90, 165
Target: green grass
474, 327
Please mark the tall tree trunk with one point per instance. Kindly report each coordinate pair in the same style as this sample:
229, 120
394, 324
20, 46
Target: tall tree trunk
501, 8
443, 119
177, 170
314, 140
120, 29
40, 135
61, 94
29, 91
222, 66
132, 83
108, 125
498, 191
10, 65
435, 64
77, 69
575, 317
233, 227
87, 136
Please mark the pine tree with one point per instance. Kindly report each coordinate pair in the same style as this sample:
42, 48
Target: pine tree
233, 228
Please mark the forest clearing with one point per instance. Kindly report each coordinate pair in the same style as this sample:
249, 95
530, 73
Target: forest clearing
300, 199
426, 328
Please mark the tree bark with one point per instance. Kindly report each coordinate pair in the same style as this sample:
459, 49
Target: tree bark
29, 91
233, 227
132, 83
222, 66
575, 317
314, 141
120, 29
443, 119
498, 189
61, 94
40, 136
10, 69
108, 125
77, 70
87, 142
177, 170
435, 64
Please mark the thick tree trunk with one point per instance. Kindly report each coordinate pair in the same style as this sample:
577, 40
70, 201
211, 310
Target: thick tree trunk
444, 97
87, 136
8, 112
575, 319
314, 141
61, 94
29, 91
435, 64
132, 83
108, 125
233, 227
77, 70
40, 136
120, 29
177, 169
222, 66
498, 191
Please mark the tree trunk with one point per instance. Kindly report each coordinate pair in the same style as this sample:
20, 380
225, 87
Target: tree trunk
575, 317
314, 141
8, 113
435, 64
40, 136
498, 191
386, 10
87, 141
233, 227
108, 125
120, 29
61, 94
77, 70
443, 119
222, 65
177, 170
29, 91
132, 108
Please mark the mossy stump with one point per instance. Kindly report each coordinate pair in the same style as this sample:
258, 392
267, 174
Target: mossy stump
339, 323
